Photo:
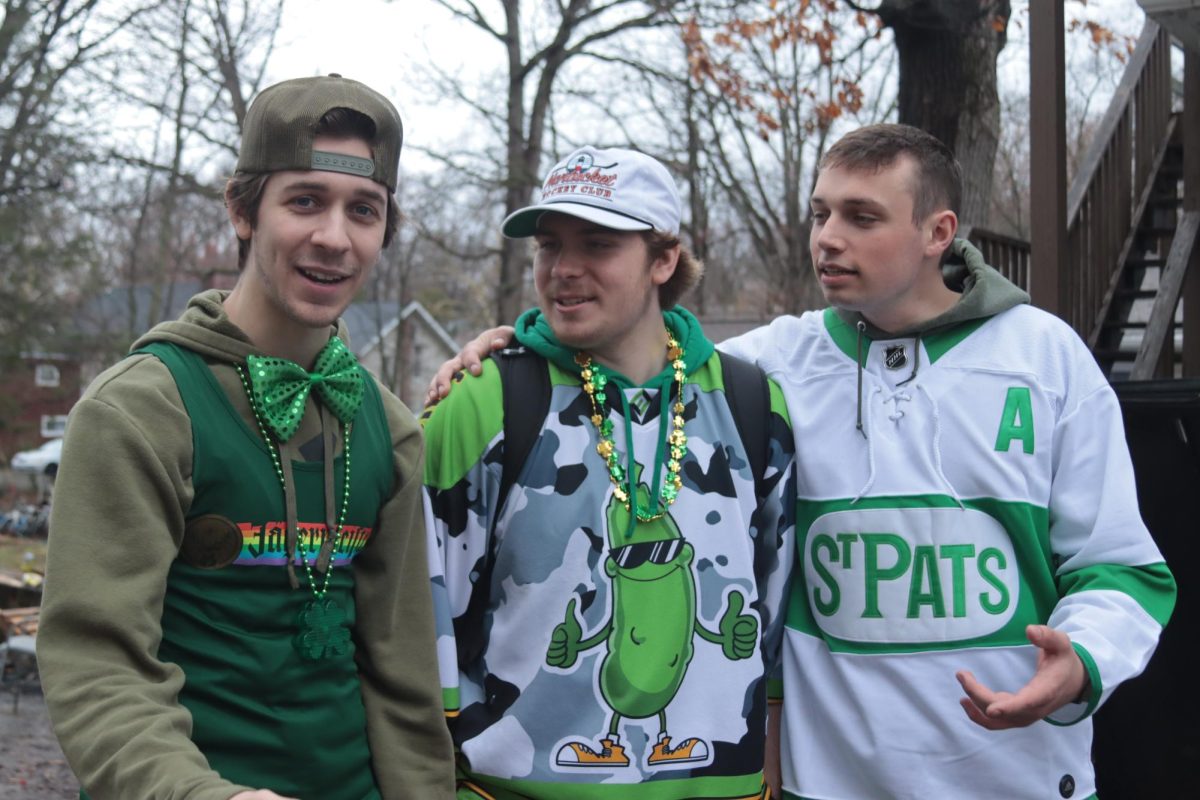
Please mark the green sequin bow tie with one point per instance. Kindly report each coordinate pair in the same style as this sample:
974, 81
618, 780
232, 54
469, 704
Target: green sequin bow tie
279, 388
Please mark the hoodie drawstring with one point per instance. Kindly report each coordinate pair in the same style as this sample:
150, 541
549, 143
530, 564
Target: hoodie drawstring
292, 539
916, 360
870, 448
632, 479
937, 447
861, 327
329, 430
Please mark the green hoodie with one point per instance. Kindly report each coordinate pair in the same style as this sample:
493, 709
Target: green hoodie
534, 332
124, 494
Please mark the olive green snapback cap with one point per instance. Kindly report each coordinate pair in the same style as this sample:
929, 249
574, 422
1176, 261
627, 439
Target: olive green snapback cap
279, 128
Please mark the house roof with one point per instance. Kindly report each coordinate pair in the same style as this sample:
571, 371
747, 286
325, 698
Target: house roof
368, 322
372, 321
124, 308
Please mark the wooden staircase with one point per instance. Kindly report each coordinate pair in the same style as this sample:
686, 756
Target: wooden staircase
1130, 237
1129, 306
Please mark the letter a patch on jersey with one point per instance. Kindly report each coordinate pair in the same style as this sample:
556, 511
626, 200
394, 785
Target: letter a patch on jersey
1016, 421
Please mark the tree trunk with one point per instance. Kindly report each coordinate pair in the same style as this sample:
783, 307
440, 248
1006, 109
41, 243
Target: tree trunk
519, 183
947, 52
697, 199
514, 260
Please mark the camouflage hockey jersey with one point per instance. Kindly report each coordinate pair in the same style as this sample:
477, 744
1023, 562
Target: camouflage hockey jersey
588, 655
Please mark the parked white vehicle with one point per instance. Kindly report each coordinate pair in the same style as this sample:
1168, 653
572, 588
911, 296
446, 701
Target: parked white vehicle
41, 460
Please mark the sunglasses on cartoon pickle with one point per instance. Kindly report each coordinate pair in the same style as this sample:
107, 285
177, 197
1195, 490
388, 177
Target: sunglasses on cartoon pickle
634, 555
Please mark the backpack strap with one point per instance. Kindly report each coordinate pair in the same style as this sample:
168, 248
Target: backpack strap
526, 385
526, 388
749, 398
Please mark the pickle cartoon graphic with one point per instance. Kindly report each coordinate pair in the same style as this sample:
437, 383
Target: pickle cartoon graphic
649, 637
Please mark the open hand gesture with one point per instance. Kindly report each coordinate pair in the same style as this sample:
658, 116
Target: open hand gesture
1060, 678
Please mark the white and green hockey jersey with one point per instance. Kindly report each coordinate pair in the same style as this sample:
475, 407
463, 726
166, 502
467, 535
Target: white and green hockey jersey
989, 488
584, 658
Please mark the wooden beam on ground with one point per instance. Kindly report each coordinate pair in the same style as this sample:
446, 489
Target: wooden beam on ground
1170, 286
19, 621
1048, 159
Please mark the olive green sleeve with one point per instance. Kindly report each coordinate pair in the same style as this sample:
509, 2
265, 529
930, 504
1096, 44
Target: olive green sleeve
395, 640
120, 498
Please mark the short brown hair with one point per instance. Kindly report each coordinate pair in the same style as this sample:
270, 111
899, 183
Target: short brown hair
244, 192
688, 270
876, 147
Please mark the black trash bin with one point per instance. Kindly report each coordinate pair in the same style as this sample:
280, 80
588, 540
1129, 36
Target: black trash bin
1147, 736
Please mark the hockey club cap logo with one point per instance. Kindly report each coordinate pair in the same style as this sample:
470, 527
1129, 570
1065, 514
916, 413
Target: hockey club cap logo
583, 162
894, 356
621, 189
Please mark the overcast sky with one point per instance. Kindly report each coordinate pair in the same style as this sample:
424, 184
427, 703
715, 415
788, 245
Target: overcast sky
384, 45
378, 41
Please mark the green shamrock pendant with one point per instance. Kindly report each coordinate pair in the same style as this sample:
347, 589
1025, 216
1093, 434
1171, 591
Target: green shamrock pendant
322, 632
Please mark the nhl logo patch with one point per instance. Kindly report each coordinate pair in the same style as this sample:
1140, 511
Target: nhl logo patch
894, 356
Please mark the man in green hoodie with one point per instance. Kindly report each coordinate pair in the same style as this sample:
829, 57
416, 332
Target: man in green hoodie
609, 623
230, 610
966, 506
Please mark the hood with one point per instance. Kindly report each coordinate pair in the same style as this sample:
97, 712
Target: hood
985, 293
205, 328
534, 332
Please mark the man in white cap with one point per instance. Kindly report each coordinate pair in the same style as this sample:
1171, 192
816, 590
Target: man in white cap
611, 602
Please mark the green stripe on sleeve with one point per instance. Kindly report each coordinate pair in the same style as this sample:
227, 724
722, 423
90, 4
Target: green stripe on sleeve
1095, 688
460, 427
1151, 585
778, 402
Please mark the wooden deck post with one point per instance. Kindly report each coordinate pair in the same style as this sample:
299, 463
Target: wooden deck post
1191, 202
1048, 270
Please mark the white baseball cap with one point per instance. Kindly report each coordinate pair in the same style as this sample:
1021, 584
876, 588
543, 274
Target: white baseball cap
620, 189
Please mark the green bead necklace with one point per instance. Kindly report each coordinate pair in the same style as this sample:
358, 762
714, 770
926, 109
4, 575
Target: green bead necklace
594, 384
322, 633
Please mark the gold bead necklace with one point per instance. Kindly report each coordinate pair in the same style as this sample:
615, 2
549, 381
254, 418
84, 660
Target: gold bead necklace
594, 385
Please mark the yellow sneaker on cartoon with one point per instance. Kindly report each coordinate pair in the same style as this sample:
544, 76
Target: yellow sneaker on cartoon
578, 754
690, 749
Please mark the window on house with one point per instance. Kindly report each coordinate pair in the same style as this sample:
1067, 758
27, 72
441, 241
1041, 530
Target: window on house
53, 425
46, 375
